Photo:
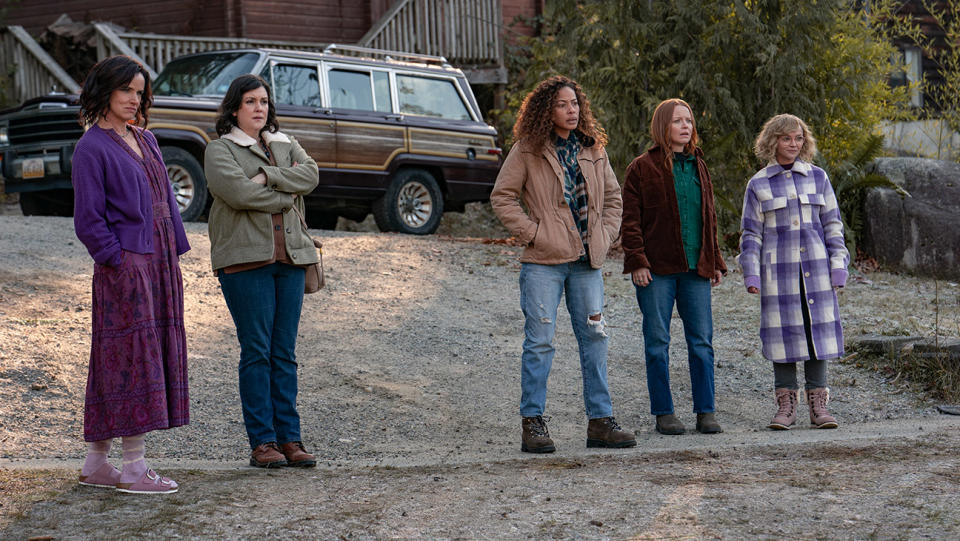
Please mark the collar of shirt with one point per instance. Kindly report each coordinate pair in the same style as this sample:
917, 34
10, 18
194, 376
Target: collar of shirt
571, 143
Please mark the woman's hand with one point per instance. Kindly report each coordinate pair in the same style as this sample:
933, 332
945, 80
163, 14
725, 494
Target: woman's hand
717, 277
260, 179
641, 277
753, 290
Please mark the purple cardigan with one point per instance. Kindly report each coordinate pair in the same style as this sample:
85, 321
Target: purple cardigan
113, 208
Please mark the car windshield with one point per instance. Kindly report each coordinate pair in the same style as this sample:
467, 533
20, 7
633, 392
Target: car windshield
207, 74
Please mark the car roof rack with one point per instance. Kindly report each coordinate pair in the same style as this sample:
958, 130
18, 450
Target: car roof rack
352, 50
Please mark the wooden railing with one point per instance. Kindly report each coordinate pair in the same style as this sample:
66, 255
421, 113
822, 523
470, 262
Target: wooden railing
32, 72
465, 32
155, 50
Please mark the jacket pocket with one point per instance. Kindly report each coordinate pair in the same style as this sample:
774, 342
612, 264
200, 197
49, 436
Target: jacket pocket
773, 204
770, 208
810, 206
812, 199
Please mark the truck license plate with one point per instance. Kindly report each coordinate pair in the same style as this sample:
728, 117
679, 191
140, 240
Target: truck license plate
33, 168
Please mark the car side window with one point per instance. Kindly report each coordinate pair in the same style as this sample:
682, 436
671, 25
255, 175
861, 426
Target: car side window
381, 89
430, 97
350, 90
296, 85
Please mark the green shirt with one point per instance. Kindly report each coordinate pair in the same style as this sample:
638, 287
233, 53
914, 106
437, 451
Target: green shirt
686, 182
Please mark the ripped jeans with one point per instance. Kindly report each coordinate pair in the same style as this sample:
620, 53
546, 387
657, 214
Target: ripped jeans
541, 287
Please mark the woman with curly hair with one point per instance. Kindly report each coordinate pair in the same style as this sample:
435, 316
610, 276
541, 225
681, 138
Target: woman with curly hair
793, 255
671, 252
560, 171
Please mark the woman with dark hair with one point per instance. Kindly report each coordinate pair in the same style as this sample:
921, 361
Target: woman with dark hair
126, 216
670, 247
559, 169
259, 249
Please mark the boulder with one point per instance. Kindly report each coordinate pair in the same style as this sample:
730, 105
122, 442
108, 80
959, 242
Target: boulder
919, 233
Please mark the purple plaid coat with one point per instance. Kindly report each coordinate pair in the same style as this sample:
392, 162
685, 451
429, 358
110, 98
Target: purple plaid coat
791, 224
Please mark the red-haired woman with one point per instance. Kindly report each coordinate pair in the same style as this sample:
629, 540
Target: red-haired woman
559, 169
669, 237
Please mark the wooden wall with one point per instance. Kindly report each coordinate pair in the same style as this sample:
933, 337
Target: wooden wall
296, 20
516, 11
319, 21
190, 17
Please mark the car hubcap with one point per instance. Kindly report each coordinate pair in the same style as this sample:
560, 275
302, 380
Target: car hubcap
415, 204
183, 188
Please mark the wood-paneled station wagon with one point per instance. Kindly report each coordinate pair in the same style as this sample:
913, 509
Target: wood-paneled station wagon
395, 134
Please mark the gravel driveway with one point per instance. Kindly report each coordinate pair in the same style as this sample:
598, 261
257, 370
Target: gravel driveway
409, 389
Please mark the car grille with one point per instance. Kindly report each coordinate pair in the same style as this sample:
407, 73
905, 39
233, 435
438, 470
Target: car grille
43, 127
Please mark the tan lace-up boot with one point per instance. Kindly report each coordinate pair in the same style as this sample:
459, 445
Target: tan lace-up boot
819, 416
786, 409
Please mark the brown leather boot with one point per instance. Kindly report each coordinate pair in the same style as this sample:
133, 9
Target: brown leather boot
669, 425
707, 423
297, 456
819, 416
536, 437
786, 409
267, 455
605, 432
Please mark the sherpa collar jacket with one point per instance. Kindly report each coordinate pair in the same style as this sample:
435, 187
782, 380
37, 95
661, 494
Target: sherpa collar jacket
240, 223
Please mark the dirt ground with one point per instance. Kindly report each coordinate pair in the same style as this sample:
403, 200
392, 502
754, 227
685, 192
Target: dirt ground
409, 384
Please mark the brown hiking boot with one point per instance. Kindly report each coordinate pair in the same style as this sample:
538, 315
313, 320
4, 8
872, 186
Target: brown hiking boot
707, 423
669, 425
536, 437
605, 432
819, 416
267, 455
297, 456
786, 409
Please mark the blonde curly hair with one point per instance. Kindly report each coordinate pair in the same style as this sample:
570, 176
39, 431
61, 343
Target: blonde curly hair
765, 147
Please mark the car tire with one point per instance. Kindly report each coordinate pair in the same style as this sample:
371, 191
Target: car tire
189, 184
413, 204
47, 203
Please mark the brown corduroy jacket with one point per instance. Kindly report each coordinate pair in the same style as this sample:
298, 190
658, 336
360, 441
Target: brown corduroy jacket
650, 232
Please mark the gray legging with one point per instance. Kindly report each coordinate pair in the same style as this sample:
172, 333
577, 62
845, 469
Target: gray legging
814, 370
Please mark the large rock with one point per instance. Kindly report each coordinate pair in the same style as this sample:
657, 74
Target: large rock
920, 233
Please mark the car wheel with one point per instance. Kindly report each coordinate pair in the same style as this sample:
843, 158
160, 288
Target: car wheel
47, 203
189, 184
413, 204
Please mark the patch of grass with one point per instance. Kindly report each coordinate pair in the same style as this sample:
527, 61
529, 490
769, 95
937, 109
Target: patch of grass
938, 375
36, 322
22, 489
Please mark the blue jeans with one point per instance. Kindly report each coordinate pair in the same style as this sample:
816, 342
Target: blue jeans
265, 304
691, 293
541, 287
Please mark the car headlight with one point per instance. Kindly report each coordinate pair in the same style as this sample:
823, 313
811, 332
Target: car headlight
4, 140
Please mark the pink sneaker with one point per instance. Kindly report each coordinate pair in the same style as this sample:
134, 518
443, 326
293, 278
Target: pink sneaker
106, 476
150, 483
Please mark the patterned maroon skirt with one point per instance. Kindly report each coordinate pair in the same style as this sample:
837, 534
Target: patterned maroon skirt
137, 380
